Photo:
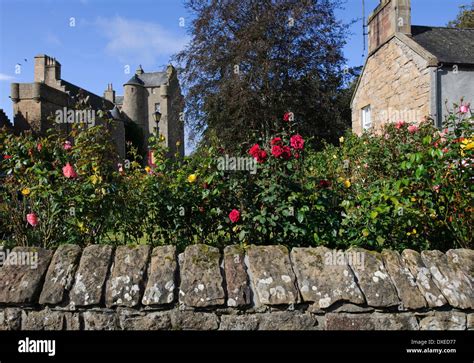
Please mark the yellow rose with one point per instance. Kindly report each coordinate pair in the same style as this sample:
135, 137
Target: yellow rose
347, 183
341, 139
192, 178
95, 179
147, 169
25, 191
467, 144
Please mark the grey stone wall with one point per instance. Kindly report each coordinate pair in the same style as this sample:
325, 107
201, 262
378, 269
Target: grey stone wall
256, 288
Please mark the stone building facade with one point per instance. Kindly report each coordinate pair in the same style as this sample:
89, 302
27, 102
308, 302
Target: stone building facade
35, 104
411, 72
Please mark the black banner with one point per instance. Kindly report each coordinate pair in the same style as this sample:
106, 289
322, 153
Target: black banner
181, 346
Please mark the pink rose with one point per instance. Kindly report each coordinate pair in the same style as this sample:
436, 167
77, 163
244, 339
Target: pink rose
288, 116
32, 219
297, 142
67, 145
412, 129
464, 109
399, 124
69, 172
39, 147
234, 215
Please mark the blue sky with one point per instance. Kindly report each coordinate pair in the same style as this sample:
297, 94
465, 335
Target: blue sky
110, 34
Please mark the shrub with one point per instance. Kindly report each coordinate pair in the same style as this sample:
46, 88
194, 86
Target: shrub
406, 186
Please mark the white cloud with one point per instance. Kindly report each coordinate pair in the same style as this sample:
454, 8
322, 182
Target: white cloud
6, 77
138, 41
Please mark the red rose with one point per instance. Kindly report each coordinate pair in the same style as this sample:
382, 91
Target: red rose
297, 142
324, 183
277, 151
286, 152
276, 141
254, 150
261, 156
39, 147
288, 116
234, 215
6, 157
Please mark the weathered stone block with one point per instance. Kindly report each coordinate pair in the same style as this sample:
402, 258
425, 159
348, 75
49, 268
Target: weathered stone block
271, 275
239, 322
191, 320
145, 321
470, 321
288, 320
374, 321
463, 258
48, 319
452, 281
423, 280
91, 275
373, 278
161, 285
10, 319
444, 320
201, 279
60, 274
324, 276
98, 320
238, 289
126, 282
21, 279
403, 280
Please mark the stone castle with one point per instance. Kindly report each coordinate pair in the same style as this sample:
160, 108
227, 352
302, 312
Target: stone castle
151, 101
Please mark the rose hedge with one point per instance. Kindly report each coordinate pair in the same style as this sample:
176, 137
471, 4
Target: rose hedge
405, 186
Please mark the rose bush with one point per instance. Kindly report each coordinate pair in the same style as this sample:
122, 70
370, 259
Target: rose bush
406, 186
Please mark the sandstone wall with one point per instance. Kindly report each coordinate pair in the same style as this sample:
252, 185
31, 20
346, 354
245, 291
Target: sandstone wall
396, 83
259, 288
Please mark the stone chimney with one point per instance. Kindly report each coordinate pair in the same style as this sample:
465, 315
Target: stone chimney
388, 18
47, 70
109, 93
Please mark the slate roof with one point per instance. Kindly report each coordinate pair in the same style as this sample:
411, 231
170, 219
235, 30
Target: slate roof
449, 45
152, 79
95, 101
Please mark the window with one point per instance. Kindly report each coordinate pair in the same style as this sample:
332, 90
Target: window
366, 120
157, 107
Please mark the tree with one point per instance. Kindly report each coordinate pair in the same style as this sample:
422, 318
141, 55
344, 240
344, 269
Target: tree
251, 61
465, 18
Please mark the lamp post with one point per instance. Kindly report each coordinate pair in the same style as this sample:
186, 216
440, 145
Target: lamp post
157, 117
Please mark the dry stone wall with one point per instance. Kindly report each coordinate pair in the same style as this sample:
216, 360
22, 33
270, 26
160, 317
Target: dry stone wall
256, 288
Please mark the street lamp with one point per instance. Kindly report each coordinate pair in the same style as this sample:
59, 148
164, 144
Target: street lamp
157, 117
